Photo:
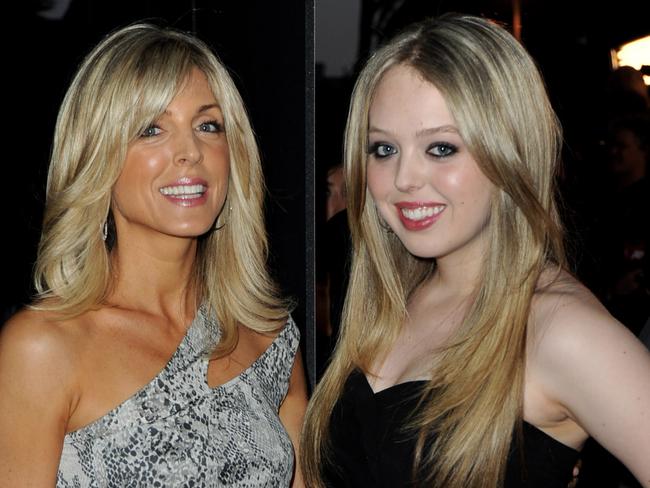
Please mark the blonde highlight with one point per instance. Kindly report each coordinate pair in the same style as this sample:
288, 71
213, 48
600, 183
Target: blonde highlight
473, 402
121, 87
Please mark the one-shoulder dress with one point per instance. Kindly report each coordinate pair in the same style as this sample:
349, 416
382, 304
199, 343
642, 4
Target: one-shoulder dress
179, 432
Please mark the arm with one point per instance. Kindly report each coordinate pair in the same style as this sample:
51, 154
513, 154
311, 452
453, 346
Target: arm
34, 401
292, 412
600, 374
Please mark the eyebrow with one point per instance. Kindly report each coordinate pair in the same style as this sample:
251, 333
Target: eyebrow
202, 108
435, 130
422, 132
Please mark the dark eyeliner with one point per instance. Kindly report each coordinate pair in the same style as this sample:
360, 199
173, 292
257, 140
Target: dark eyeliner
372, 148
149, 127
452, 148
375, 148
218, 125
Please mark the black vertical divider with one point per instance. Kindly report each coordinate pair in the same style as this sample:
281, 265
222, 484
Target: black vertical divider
310, 189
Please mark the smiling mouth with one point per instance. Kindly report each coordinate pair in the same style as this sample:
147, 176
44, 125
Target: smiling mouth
421, 213
184, 192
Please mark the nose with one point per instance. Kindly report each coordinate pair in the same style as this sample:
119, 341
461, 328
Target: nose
187, 148
411, 173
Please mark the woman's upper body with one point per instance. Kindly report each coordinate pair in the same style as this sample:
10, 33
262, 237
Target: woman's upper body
583, 369
451, 152
372, 447
152, 140
108, 401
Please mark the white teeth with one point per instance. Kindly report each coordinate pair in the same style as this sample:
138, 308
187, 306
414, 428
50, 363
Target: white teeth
184, 191
421, 213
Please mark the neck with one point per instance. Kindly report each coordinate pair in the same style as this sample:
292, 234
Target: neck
458, 275
154, 274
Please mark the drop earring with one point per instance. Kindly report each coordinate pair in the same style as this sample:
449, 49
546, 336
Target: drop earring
216, 222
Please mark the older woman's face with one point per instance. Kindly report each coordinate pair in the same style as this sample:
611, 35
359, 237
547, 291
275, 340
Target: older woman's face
423, 180
175, 177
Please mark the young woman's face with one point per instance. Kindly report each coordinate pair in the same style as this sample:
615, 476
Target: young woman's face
175, 177
424, 182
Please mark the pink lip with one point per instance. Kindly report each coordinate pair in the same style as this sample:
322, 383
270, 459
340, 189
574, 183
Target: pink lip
184, 201
417, 224
187, 180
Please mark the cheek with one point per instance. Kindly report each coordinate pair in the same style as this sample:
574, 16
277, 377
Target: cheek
129, 191
457, 186
141, 166
134, 183
221, 173
471, 191
379, 180
218, 163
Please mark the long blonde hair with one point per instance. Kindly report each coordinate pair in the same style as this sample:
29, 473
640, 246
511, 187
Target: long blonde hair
473, 403
122, 87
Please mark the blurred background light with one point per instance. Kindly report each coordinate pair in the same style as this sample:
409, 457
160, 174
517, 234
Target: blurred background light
636, 54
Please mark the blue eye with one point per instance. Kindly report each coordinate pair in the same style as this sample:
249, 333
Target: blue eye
211, 126
152, 130
442, 149
382, 150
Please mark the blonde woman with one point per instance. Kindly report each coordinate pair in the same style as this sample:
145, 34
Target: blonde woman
468, 356
157, 352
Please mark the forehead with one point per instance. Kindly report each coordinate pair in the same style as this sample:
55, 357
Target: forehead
403, 99
195, 85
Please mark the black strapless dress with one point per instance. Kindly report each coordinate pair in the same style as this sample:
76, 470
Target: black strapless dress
371, 449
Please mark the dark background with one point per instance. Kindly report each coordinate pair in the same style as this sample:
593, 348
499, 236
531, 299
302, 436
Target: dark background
264, 46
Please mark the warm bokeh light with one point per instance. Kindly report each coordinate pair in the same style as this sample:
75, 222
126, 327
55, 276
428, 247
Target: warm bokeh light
635, 54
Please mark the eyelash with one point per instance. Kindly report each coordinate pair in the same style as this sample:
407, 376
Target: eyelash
434, 150
450, 148
218, 127
374, 149
145, 133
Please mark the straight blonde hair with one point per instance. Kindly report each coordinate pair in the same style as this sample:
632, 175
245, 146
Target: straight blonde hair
473, 402
121, 88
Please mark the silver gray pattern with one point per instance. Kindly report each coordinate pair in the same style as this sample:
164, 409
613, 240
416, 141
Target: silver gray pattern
178, 432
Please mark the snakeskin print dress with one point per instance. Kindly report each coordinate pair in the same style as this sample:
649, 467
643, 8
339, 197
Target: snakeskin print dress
178, 432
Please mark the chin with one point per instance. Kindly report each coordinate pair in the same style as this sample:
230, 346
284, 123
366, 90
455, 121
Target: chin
194, 230
423, 251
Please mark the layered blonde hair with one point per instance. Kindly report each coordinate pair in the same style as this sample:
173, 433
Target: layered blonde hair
473, 402
121, 88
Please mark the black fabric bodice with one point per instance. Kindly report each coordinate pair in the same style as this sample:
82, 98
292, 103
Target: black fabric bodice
370, 447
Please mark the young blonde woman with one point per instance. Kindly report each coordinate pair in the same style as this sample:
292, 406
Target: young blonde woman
468, 356
157, 352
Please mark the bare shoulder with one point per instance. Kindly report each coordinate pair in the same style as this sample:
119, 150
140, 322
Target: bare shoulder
593, 368
38, 383
573, 340
572, 333
39, 354
564, 313
40, 336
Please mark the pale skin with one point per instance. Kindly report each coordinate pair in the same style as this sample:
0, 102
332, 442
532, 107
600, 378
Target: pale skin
586, 374
57, 376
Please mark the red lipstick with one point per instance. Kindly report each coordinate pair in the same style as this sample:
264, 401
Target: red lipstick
419, 215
